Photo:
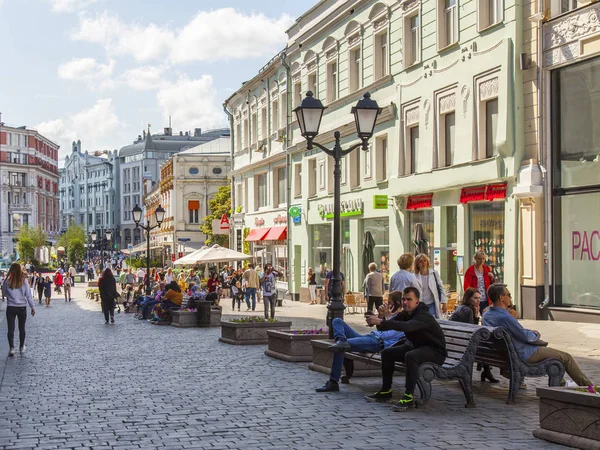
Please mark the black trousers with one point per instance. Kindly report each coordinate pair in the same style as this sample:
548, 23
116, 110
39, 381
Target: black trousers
12, 313
108, 310
412, 359
377, 301
40, 290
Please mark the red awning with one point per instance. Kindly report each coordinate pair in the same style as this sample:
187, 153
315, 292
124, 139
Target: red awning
276, 234
257, 234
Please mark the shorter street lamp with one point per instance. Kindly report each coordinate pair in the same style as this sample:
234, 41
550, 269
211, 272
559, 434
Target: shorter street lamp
94, 235
137, 217
309, 114
108, 238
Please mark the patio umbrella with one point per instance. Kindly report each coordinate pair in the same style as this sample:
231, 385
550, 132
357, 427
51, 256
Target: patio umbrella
192, 258
420, 239
368, 255
216, 254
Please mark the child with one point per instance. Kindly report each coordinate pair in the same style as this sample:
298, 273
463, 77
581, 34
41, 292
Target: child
48, 290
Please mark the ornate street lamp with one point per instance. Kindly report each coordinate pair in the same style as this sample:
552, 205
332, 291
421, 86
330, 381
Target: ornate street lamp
159, 214
108, 235
309, 114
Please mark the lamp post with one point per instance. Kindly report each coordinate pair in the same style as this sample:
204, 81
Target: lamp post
137, 217
94, 235
108, 235
309, 114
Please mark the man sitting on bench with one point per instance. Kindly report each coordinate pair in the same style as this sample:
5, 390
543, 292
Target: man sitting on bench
346, 340
527, 342
426, 343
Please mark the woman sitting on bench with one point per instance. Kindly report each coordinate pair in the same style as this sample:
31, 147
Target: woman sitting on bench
171, 299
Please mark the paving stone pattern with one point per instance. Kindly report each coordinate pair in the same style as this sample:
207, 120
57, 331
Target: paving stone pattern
132, 385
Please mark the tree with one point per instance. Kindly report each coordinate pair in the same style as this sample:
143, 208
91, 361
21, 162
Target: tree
219, 205
73, 241
30, 239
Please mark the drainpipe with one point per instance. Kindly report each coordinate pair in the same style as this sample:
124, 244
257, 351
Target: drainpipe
288, 162
232, 187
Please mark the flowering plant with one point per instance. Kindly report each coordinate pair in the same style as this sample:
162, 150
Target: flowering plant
589, 389
253, 319
311, 331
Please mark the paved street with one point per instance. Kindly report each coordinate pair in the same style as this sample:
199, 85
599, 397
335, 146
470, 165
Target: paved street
84, 384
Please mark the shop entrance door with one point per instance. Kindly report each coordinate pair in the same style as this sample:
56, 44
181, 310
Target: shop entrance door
297, 271
443, 259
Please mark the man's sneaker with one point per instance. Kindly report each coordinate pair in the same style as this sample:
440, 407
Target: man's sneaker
406, 402
23, 349
11, 352
340, 346
380, 396
330, 386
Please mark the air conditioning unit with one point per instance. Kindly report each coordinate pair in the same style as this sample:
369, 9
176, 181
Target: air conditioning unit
280, 135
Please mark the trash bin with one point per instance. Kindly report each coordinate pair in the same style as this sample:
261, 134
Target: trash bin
203, 308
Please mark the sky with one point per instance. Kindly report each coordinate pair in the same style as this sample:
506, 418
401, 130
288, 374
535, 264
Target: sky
102, 70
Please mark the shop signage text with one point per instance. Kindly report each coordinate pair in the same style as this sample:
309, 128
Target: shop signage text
419, 201
259, 221
280, 219
585, 246
479, 193
348, 208
380, 202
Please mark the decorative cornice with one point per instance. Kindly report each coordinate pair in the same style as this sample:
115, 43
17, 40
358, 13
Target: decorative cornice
447, 103
488, 89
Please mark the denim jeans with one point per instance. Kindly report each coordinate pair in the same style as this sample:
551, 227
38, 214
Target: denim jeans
432, 309
358, 343
251, 292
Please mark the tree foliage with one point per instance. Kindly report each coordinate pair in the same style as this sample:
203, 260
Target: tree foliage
219, 205
29, 239
73, 241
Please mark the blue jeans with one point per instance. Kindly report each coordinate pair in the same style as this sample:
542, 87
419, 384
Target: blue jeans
251, 292
432, 309
358, 343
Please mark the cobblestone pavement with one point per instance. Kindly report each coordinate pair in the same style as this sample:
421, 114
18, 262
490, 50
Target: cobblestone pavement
84, 384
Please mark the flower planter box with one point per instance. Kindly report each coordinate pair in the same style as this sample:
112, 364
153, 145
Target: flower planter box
215, 316
184, 319
249, 333
569, 417
291, 347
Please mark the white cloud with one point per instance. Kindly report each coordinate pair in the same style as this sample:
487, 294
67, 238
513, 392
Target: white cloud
146, 78
70, 5
211, 35
94, 126
191, 103
89, 70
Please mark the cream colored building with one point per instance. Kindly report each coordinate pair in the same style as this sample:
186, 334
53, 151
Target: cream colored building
447, 149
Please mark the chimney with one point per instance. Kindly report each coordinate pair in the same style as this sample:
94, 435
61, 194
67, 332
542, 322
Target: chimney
181, 133
168, 131
187, 133
197, 132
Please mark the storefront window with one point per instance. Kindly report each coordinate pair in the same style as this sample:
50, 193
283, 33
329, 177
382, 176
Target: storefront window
281, 261
322, 260
576, 108
487, 234
577, 255
380, 230
425, 218
448, 251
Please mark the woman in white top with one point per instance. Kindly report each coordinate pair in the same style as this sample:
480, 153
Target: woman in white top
434, 293
18, 295
169, 276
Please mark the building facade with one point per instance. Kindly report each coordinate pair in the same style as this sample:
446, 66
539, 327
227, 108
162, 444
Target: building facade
448, 147
188, 182
141, 161
89, 191
28, 186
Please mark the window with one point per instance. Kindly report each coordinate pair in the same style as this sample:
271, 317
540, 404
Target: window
261, 190
412, 38
281, 185
381, 149
263, 125
413, 140
194, 211
246, 134
312, 177
490, 12
254, 136
487, 234
297, 93
312, 84
284, 106
331, 82
381, 55
367, 156
447, 23
217, 171
193, 171
449, 128
275, 116
354, 69
354, 160
239, 136
491, 127
298, 180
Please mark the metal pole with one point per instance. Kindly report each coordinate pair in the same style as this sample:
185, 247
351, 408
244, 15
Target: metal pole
336, 304
148, 290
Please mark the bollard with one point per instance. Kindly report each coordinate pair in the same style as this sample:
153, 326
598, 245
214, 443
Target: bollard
203, 308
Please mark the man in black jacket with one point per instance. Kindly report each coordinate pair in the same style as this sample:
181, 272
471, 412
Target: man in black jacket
426, 343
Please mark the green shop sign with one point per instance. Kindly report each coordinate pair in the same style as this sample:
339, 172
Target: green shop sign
349, 208
380, 202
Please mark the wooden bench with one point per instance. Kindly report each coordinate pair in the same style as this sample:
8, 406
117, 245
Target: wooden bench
461, 342
499, 351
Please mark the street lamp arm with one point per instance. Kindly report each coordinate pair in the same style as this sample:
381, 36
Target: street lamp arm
332, 152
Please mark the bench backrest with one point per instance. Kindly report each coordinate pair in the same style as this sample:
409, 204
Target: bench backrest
462, 340
495, 351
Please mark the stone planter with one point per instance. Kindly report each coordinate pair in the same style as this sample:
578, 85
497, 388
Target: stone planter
215, 316
322, 359
184, 319
569, 417
249, 333
291, 347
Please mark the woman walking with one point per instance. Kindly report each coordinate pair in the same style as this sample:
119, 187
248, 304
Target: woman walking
433, 292
312, 286
48, 290
269, 290
18, 295
108, 293
236, 290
